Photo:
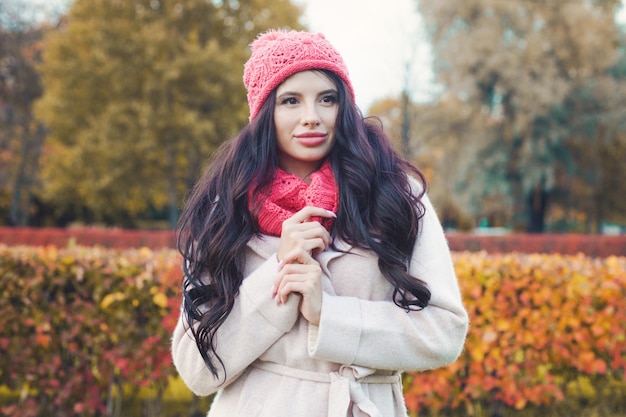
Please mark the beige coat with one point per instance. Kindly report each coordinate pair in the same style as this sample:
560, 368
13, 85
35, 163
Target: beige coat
278, 364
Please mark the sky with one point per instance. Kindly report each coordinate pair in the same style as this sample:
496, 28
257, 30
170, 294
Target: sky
380, 43
377, 41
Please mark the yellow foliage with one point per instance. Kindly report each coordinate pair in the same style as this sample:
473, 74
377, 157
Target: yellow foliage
538, 323
111, 298
176, 389
160, 299
581, 387
531, 342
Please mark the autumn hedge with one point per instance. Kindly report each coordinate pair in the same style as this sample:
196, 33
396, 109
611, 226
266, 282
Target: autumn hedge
592, 245
77, 324
545, 330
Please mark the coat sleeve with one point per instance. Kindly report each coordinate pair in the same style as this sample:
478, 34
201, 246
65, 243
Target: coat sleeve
381, 335
254, 324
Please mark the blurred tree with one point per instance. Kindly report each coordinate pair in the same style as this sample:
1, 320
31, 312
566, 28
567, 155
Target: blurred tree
435, 135
138, 95
389, 111
513, 62
592, 119
21, 135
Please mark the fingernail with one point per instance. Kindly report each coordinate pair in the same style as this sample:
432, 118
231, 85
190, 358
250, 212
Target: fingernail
332, 213
273, 288
280, 265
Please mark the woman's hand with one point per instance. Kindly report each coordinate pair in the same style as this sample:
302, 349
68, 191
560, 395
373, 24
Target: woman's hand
299, 271
303, 277
301, 235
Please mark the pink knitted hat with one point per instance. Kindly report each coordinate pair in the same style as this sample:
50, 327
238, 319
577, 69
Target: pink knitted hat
278, 54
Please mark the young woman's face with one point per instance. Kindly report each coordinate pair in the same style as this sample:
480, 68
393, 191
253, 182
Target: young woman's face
305, 114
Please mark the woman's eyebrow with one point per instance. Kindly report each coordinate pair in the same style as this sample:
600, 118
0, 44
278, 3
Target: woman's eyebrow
329, 91
295, 93
289, 93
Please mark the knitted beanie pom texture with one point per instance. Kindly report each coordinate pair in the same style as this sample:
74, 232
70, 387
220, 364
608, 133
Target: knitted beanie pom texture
278, 54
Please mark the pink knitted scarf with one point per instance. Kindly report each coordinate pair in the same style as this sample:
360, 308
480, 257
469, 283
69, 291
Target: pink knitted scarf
288, 193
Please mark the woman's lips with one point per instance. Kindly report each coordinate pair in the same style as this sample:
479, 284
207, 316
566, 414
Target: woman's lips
311, 139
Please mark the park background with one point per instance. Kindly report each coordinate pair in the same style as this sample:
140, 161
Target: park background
111, 109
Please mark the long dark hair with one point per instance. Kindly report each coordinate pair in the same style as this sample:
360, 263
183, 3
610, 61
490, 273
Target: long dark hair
377, 210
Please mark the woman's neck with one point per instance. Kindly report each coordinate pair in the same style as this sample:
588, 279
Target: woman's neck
302, 172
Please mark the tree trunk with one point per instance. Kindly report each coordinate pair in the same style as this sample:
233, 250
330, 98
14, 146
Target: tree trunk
513, 170
514, 178
536, 205
406, 125
27, 172
172, 209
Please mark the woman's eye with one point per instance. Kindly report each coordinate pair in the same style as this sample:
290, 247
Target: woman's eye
289, 100
330, 99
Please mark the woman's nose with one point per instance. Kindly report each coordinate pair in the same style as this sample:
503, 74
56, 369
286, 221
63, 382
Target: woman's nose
310, 115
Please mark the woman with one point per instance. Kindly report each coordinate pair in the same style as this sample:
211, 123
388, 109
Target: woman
316, 269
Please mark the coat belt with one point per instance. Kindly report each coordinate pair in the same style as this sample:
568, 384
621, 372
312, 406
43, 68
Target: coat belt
345, 386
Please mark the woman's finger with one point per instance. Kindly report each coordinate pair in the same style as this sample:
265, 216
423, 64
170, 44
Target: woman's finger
300, 264
307, 236
300, 256
309, 230
307, 212
297, 272
304, 280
